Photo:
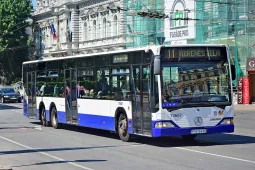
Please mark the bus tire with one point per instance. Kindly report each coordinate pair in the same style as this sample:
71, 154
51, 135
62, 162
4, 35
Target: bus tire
54, 118
123, 128
43, 118
189, 137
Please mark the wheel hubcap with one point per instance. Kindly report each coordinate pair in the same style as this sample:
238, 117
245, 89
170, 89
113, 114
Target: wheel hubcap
123, 127
43, 117
54, 118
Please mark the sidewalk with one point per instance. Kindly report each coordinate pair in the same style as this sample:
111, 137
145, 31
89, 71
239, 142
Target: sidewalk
250, 107
4, 167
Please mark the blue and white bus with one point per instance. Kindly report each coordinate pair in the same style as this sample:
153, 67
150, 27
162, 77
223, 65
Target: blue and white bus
153, 91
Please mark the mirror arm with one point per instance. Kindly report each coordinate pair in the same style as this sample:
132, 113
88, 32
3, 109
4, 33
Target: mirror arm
157, 65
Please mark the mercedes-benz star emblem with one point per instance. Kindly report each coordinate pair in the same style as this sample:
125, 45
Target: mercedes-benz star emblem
198, 121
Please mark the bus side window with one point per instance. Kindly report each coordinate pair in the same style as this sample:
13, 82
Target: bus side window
102, 84
85, 81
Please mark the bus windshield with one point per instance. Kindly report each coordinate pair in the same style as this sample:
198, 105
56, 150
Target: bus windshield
192, 83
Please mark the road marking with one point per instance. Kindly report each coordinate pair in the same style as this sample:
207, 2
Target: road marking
46, 154
212, 154
38, 127
16, 111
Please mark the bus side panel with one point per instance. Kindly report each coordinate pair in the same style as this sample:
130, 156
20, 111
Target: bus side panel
127, 105
95, 114
100, 114
60, 106
25, 106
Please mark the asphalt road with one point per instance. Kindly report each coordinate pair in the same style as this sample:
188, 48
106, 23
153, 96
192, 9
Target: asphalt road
25, 145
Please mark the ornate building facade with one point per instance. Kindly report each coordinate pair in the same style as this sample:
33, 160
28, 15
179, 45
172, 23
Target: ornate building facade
81, 27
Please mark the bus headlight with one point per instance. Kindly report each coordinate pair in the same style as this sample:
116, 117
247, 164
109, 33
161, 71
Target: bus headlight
163, 125
229, 121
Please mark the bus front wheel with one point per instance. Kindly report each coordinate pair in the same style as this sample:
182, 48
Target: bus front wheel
54, 118
123, 128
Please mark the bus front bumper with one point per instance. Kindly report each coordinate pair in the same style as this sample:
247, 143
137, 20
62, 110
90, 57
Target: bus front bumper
176, 131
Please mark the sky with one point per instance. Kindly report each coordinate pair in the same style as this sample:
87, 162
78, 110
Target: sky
34, 3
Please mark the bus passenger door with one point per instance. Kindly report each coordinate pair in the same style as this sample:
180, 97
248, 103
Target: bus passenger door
141, 100
31, 77
146, 99
136, 101
71, 96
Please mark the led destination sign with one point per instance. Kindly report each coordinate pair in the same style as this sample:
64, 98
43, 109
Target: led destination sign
120, 58
182, 53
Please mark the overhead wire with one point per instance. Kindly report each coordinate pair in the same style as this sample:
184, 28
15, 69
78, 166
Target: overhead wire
195, 10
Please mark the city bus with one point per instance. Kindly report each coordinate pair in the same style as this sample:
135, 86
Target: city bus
155, 91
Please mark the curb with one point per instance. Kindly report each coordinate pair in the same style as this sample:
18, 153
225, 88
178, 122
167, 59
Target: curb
4, 167
245, 107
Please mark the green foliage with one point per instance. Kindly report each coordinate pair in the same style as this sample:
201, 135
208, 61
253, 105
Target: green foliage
13, 37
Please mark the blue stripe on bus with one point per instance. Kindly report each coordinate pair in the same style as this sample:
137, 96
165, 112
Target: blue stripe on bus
47, 115
100, 122
61, 117
130, 126
157, 132
96, 121
92, 121
25, 107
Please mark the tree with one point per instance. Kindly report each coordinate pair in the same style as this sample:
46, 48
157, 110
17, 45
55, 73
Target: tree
13, 37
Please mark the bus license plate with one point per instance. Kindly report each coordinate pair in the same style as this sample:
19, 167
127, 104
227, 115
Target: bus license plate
198, 131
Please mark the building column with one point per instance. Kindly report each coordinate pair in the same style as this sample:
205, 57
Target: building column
75, 28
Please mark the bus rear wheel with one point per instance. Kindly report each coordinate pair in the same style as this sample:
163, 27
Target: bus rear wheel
54, 118
43, 118
123, 128
189, 137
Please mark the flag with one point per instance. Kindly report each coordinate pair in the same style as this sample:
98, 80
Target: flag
53, 32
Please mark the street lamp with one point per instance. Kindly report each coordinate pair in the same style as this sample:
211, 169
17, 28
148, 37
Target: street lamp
29, 29
29, 21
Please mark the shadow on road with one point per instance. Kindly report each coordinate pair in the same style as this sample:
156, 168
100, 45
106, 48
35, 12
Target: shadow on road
8, 107
15, 128
203, 140
91, 131
56, 149
59, 162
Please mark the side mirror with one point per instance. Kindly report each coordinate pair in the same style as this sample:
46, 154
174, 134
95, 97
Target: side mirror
233, 72
157, 66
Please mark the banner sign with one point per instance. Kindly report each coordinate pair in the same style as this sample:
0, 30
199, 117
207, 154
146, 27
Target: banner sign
240, 91
246, 91
177, 27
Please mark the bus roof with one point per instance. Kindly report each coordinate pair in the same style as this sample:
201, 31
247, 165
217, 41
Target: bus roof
121, 51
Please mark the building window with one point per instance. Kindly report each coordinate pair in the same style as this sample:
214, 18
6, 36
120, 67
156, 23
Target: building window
109, 30
115, 26
85, 36
94, 29
104, 28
